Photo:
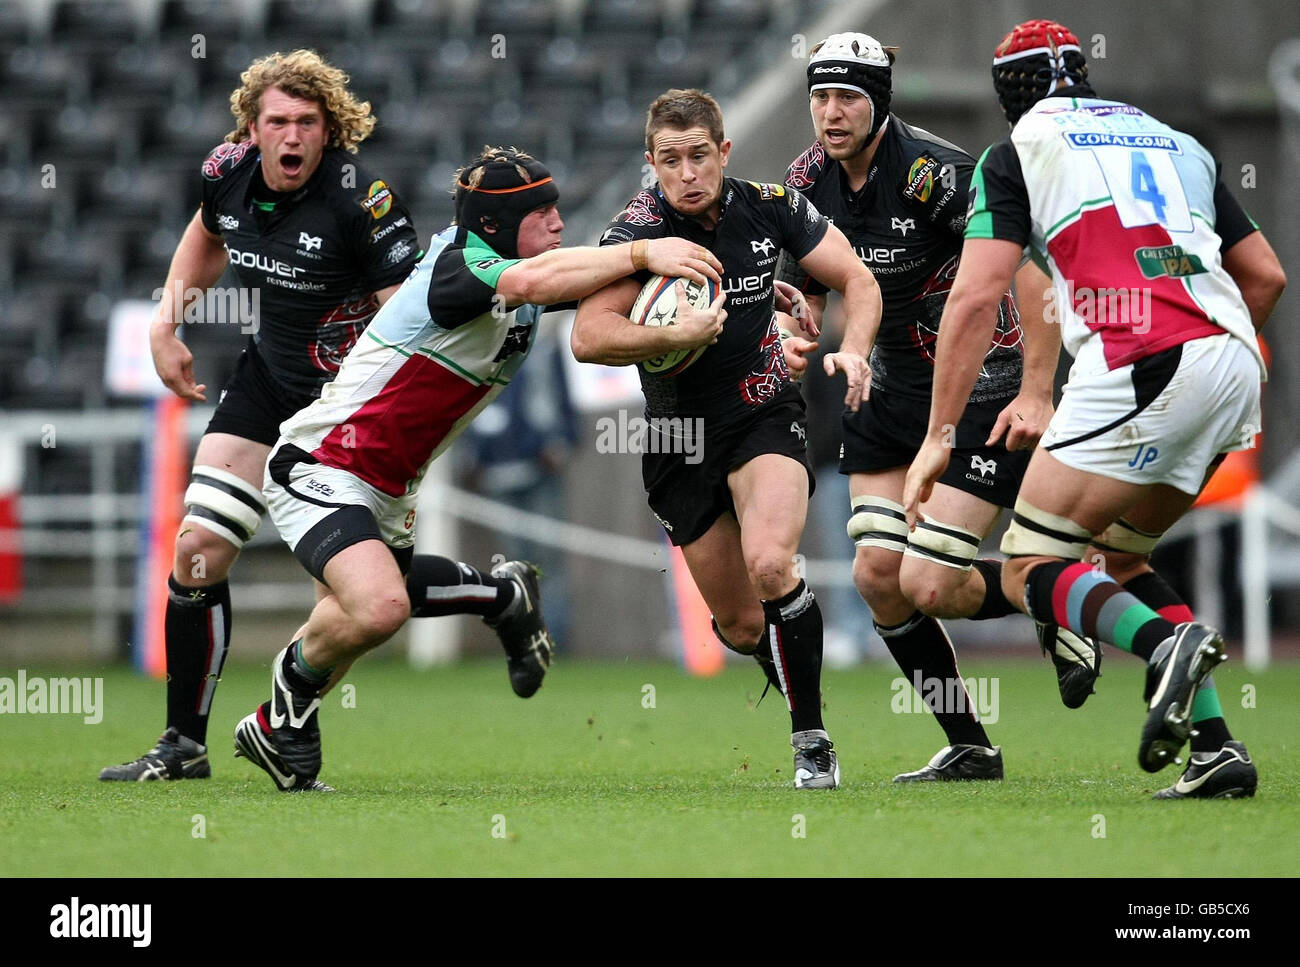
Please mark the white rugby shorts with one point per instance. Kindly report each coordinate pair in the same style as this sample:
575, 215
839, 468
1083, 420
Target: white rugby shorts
316, 491
1209, 406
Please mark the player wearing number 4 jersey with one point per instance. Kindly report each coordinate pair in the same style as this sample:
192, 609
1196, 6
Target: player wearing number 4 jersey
342, 481
1160, 283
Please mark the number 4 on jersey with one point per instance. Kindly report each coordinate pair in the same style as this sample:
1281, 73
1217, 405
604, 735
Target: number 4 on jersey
1144, 184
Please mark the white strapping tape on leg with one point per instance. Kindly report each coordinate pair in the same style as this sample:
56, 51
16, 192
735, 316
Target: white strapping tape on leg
225, 504
1038, 533
1123, 536
944, 544
878, 522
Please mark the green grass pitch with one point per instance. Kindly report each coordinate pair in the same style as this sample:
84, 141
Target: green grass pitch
446, 773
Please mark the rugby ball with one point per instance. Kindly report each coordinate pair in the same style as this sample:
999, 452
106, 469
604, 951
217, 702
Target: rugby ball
657, 306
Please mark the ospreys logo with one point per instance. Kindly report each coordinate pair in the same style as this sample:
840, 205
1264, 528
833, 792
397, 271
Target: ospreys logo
516, 342
920, 179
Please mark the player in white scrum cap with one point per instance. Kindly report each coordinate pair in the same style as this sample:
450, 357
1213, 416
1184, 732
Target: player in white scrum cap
899, 193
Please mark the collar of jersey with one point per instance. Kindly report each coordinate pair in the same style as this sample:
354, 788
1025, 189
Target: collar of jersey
728, 190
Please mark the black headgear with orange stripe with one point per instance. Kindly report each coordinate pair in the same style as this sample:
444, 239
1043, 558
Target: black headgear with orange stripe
1038, 59
493, 203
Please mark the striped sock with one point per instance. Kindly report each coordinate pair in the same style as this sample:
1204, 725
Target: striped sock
197, 632
439, 586
1207, 713
1093, 604
794, 629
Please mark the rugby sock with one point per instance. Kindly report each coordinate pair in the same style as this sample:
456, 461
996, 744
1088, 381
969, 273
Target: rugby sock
303, 679
197, 629
439, 586
923, 652
794, 634
995, 603
1207, 714
1093, 604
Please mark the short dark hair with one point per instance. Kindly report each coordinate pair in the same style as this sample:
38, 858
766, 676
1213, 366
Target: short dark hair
682, 110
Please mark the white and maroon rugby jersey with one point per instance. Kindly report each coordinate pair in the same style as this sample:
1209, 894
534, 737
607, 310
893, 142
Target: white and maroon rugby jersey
438, 352
1131, 218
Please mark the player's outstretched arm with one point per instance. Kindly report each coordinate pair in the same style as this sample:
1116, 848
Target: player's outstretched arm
1024, 420
197, 264
565, 274
1255, 268
833, 263
603, 333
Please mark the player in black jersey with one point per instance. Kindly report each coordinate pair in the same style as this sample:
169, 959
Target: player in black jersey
318, 245
738, 513
899, 194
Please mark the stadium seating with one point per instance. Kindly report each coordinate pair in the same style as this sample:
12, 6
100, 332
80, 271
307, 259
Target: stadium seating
124, 98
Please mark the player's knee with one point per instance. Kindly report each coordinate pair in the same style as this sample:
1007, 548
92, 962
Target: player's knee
937, 563
379, 618
875, 575
928, 587
222, 513
771, 571
202, 557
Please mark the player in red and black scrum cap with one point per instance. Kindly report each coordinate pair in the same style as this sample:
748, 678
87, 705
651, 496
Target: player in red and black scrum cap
1165, 381
318, 244
738, 513
899, 194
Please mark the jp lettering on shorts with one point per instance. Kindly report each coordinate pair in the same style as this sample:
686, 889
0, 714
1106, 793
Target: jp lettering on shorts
1163, 419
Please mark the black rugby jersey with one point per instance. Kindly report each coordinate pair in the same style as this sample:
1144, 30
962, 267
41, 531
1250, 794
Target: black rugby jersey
746, 367
315, 260
906, 225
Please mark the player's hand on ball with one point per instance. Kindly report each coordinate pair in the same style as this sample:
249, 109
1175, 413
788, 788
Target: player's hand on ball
858, 372
791, 301
677, 258
698, 327
175, 365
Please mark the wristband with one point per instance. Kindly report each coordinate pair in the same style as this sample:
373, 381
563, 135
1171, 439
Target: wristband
639, 247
